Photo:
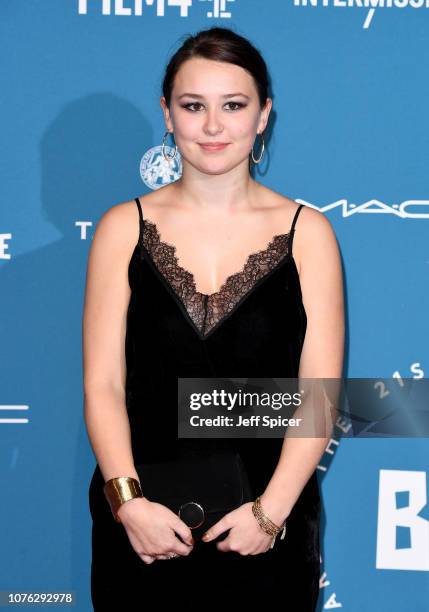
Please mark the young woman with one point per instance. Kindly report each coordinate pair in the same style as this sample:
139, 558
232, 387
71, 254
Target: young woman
214, 275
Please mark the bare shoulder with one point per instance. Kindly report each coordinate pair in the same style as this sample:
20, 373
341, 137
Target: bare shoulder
119, 226
313, 230
314, 225
314, 237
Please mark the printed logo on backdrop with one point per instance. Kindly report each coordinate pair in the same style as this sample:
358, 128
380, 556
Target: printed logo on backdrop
366, 4
216, 9
408, 209
403, 521
219, 9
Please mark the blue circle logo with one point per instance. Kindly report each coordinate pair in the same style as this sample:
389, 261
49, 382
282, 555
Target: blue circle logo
156, 171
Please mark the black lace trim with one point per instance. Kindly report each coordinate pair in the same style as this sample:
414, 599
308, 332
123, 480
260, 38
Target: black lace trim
207, 310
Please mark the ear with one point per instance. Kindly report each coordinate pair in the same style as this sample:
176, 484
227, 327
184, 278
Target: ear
167, 116
265, 113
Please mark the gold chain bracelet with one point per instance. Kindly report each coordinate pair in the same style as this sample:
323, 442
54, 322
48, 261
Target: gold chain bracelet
266, 523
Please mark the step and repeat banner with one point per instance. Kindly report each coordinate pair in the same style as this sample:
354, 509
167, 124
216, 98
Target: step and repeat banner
82, 130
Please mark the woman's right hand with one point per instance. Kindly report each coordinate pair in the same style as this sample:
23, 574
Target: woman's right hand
151, 528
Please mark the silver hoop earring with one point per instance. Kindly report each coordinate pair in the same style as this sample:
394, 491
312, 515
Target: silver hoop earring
256, 161
167, 157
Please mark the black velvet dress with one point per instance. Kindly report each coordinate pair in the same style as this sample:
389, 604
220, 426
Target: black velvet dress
254, 326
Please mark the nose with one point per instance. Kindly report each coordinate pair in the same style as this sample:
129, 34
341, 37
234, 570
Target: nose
213, 124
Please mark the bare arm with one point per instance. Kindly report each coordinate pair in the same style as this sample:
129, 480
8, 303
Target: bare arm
106, 301
322, 354
152, 528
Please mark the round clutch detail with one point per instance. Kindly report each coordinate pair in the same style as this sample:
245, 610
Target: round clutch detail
192, 514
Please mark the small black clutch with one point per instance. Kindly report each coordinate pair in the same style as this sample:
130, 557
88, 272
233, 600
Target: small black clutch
200, 488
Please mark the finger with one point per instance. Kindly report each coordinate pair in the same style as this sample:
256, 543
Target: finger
184, 532
224, 545
216, 530
181, 549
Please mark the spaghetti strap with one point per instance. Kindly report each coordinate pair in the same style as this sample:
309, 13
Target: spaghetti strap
139, 206
292, 228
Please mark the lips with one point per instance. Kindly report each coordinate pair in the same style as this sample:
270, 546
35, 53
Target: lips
213, 146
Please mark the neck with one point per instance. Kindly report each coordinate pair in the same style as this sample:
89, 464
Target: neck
230, 191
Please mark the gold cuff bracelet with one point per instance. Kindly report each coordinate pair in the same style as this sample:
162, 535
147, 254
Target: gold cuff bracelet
120, 490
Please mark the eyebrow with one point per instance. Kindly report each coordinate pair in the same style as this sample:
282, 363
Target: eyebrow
195, 95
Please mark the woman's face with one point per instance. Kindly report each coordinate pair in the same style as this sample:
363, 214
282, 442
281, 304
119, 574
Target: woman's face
202, 110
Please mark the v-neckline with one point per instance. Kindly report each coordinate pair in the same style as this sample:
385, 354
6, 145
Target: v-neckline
191, 275
171, 248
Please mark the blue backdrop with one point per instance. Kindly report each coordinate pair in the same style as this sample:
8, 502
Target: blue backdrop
80, 111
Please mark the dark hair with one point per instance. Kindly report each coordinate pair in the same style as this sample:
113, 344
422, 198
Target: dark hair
221, 45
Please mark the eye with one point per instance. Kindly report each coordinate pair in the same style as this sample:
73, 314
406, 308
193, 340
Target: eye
238, 104
188, 106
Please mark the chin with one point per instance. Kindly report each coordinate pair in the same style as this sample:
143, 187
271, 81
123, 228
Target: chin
215, 171
219, 168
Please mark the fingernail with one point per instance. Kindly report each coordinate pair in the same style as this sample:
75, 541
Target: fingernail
192, 541
205, 537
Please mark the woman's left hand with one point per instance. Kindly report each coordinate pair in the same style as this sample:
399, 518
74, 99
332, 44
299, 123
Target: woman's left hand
245, 537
